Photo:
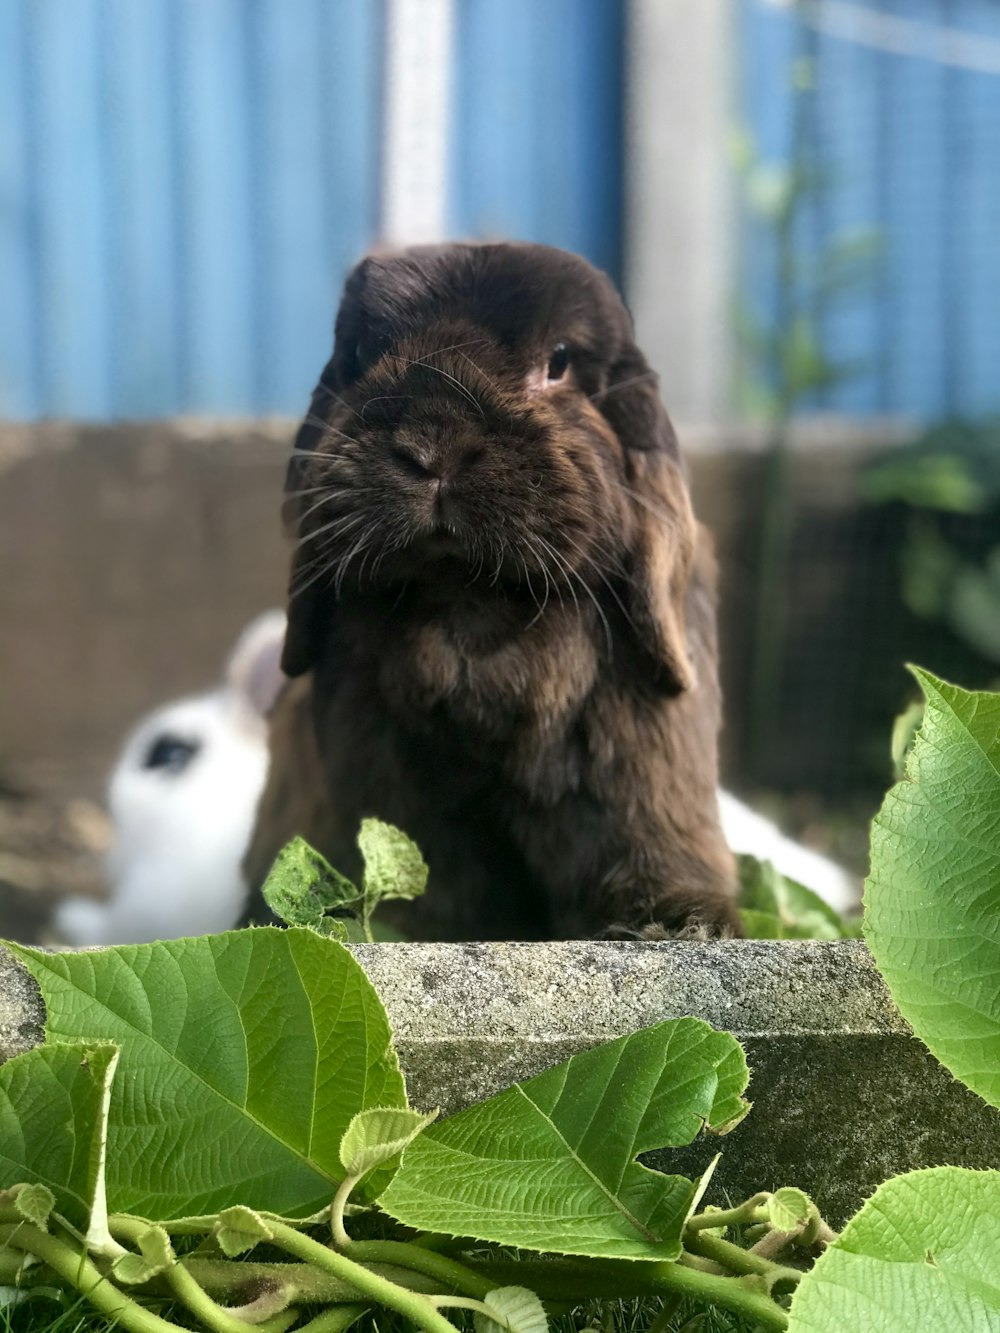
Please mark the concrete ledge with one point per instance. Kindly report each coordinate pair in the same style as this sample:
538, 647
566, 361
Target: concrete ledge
844, 1097
22, 1013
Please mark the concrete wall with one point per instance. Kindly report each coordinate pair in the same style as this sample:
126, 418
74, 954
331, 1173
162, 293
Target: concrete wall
129, 559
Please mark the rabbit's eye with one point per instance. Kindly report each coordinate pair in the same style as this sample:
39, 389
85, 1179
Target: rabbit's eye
172, 753
558, 363
349, 369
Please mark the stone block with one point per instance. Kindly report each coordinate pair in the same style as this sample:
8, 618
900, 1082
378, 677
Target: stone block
843, 1095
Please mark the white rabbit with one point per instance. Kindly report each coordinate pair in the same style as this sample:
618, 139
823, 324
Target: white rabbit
748, 832
183, 797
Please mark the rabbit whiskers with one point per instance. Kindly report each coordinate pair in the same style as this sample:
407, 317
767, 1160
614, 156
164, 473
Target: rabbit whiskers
466, 392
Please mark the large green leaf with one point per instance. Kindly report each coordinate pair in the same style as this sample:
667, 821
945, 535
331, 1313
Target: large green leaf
549, 1164
53, 1126
932, 900
244, 1058
922, 1256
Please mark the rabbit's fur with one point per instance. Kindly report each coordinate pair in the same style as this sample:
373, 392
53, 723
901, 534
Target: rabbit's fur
182, 799
501, 608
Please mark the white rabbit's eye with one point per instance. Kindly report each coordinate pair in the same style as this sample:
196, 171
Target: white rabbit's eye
172, 753
558, 363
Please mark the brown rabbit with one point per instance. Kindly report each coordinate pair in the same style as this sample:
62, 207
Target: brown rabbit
505, 607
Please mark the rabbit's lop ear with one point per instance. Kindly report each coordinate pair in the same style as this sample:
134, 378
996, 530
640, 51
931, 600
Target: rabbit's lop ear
310, 600
307, 596
253, 671
363, 321
350, 343
662, 550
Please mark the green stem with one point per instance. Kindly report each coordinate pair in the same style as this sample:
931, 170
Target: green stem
410, 1304
340, 1237
214, 1316
772, 1243
738, 1260
11, 1268
749, 1211
699, 1264
464, 1303
228, 1277
825, 1234
78, 1271
434, 1240
670, 1306
185, 1287
334, 1321
367, 907
233, 1278
732, 1293
552, 1279
448, 1273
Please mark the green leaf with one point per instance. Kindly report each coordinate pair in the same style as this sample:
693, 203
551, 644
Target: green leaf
767, 926
10, 1296
394, 867
700, 1187
933, 481
239, 1229
904, 733
302, 887
789, 1209
34, 1203
974, 609
932, 900
244, 1057
803, 362
954, 466
923, 1253
549, 1164
776, 908
929, 566
155, 1256
516, 1309
53, 1125
377, 1136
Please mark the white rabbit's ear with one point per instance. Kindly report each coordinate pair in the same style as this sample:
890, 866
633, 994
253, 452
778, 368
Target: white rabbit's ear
254, 666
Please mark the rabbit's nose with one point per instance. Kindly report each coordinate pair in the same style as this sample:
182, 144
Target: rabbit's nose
414, 459
440, 461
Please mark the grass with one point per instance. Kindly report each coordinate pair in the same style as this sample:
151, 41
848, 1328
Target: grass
639, 1316
47, 1316
43, 1315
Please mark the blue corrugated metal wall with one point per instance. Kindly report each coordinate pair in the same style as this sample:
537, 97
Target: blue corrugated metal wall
910, 147
539, 123
183, 183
